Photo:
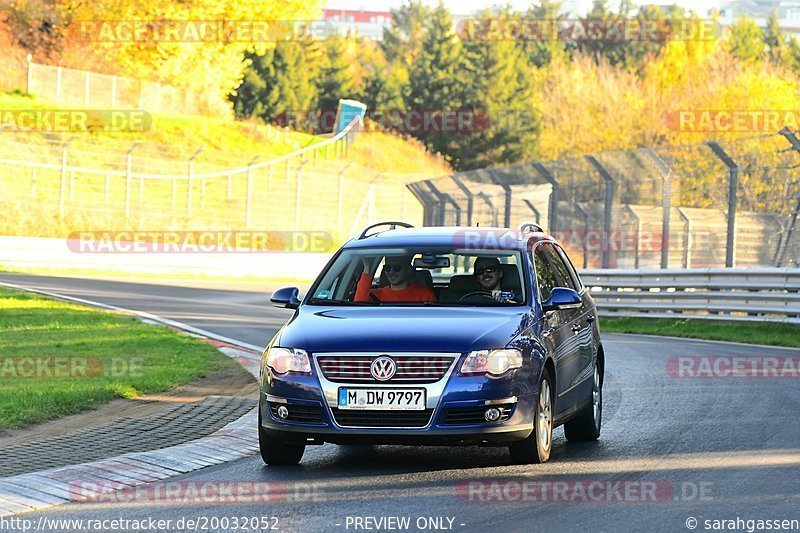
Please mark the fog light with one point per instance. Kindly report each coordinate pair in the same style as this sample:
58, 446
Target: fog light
283, 412
492, 414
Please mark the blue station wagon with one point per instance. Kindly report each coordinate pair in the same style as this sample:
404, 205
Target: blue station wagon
435, 335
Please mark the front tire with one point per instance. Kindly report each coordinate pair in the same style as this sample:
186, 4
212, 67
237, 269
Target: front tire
586, 426
537, 446
277, 452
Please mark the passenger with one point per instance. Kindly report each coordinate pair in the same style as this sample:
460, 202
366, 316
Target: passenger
400, 288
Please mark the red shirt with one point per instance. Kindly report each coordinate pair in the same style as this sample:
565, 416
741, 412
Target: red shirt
412, 293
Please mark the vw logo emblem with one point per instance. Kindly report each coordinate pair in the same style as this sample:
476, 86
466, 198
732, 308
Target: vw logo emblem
383, 368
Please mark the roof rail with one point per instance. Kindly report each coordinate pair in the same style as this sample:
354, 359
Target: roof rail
531, 227
392, 224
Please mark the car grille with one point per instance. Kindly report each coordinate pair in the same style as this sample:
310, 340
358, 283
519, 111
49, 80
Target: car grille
410, 368
382, 419
458, 416
308, 414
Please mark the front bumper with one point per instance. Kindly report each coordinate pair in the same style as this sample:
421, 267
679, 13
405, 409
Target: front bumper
454, 409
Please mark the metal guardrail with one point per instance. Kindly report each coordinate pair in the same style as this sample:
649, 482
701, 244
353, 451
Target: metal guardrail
754, 294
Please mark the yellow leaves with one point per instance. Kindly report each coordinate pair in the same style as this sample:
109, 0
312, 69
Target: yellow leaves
189, 57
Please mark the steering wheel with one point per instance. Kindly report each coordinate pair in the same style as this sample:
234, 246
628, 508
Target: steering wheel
485, 294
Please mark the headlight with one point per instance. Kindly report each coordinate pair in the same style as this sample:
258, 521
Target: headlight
494, 362
283, 360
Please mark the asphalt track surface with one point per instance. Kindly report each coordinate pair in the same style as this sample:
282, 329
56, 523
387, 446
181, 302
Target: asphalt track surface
672, 449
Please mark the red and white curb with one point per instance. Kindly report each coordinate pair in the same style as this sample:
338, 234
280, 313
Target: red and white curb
56, 486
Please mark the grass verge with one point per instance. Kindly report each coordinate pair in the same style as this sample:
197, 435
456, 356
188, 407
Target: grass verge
58, 359
773, 334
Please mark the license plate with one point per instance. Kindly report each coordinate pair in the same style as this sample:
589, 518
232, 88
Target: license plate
382, 399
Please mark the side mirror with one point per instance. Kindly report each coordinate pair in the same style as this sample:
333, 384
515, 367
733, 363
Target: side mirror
286, 297
562, 298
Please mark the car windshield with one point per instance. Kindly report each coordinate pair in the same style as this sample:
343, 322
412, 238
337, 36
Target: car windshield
422, 277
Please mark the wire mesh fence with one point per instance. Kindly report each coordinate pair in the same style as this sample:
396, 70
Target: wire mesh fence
51, 188
705, 205
71, 87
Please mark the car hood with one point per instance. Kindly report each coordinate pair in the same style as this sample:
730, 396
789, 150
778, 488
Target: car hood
385, 329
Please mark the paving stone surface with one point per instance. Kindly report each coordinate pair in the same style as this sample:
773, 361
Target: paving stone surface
172, 426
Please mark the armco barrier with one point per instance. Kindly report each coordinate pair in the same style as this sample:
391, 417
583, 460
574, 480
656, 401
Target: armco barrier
757, 294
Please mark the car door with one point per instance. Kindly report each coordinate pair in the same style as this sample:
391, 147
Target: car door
580, 324
557, 334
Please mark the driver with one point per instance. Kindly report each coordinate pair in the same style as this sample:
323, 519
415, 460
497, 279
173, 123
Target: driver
400, 288
488, 275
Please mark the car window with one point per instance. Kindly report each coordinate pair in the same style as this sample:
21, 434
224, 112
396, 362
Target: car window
576, 280
563, 277
440, 276
544, 273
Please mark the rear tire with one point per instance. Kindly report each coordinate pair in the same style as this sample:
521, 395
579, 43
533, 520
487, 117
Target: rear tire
537, 446
586, 426
277, 452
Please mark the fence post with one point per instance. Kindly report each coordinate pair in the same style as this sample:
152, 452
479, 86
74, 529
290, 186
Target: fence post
62, 188
609, 198
428, 206
482, 195
58, 84
666, 203
86, 89
507, 189
33, 182
787, 237
128, 166
553, 215
733, 189
298, 196
340, 194
71, 182
29, 76
444, 198
638, 220
248, 203
687, 245
533, 209
190, 177
585, 242
469, 196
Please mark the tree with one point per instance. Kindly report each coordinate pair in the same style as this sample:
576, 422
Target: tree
746, 40
402, 41
435, 81
498, 85
279, 82
541, 52
336, 80
774, 39
36, 26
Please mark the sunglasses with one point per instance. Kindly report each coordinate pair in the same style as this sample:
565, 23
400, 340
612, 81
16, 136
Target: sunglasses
485, 270
394, 268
